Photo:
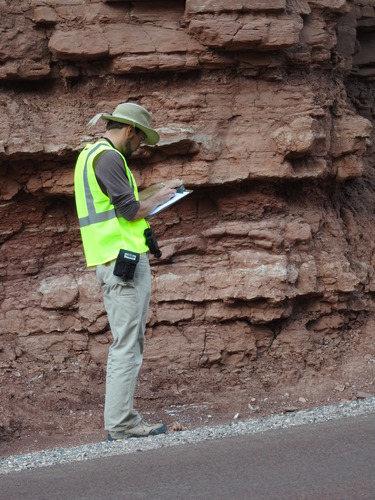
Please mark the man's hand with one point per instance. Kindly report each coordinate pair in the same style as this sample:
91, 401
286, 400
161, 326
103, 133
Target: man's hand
175, 183
156, 195
151, 190
165, 194
167, 191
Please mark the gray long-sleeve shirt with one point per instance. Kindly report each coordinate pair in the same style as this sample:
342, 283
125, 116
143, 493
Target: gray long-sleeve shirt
113, 181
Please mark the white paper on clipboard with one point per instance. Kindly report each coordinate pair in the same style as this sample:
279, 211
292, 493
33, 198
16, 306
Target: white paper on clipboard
177, 197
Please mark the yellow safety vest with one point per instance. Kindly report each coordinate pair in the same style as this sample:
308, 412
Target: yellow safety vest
103, 232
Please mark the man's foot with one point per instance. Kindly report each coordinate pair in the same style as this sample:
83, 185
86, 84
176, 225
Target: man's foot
142, 429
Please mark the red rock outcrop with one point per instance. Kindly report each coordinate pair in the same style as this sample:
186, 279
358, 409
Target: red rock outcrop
266, 284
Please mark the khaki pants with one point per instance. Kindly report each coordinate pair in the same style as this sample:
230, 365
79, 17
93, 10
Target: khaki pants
127, 305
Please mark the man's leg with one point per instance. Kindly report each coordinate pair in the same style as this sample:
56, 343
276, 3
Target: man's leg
127, 307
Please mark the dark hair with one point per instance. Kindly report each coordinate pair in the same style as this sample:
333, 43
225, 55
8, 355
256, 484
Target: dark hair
111, 124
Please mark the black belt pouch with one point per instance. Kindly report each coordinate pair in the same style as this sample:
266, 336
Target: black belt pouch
125, 265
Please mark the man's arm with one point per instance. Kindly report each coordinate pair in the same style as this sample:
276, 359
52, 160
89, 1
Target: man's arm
109, 171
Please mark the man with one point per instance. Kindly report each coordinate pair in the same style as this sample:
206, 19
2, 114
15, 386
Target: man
111, 215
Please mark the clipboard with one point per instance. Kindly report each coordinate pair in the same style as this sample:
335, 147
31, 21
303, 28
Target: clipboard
177, 197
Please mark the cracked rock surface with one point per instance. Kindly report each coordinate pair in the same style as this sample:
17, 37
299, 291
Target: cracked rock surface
263, 300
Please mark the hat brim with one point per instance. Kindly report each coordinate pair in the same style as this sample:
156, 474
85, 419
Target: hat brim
152, 137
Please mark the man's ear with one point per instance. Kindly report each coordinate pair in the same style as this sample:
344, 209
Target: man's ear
130, 131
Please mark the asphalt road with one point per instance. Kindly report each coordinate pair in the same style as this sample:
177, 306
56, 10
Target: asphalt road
333, 460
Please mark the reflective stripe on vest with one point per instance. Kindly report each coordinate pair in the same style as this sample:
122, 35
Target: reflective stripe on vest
93, 217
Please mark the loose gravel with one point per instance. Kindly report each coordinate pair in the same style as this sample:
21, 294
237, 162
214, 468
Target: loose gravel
56, 456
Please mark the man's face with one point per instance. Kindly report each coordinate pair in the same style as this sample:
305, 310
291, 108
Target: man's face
132, 140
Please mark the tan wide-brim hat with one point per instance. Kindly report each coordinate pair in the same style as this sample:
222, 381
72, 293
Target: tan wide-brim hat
133, 115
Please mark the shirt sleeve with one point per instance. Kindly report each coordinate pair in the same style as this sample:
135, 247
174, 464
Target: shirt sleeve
113, 181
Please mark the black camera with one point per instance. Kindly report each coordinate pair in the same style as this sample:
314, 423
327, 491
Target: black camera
152, 243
